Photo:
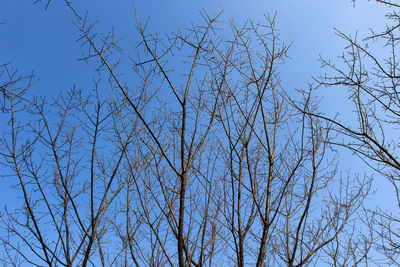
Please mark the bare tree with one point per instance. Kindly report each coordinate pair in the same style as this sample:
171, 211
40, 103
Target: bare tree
278, 208
204, 160
70, 168
369, 70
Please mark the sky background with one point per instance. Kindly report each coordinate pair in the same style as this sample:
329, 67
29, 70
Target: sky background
44, 41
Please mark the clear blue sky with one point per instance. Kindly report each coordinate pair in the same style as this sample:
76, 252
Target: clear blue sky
44, 41
34, 39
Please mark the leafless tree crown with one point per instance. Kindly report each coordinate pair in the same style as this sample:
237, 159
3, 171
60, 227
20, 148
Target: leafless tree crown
202, 160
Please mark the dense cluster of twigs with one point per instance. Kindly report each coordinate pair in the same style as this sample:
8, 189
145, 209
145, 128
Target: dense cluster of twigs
202, 160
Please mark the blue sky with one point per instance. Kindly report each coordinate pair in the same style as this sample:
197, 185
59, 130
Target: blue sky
44, 41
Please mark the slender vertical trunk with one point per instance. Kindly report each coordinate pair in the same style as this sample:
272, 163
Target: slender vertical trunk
182, 191
261, 253
239, 217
